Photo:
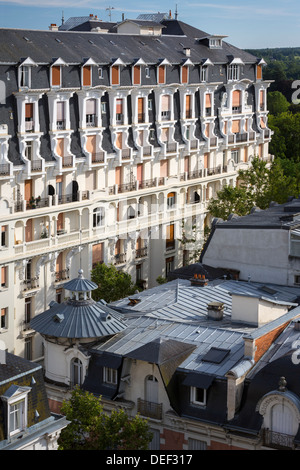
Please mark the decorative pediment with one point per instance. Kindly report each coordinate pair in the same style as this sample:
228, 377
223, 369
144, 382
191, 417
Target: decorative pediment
28, 62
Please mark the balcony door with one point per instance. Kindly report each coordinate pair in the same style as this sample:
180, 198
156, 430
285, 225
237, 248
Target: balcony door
151, 390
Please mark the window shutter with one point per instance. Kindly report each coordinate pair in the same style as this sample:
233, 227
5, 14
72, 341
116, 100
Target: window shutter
118, 175
136, 75
3, 276
161, 74
140, 105
119, 140
60, 147
262, 123
91, 143
165, 134
164, 168
236, 126
170, 233
60, 221
236, 98
115, 75
59, 262
206, 160
91, 106
165, 103
139, 172
28, 231
56, 75
60, 111
119, 106
28, 190
188, 103
208, 100
97, 253
259, 72
87, 75
186, 164
29, 110
184, 74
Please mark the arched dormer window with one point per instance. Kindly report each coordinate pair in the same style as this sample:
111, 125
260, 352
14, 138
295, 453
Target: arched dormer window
76, 371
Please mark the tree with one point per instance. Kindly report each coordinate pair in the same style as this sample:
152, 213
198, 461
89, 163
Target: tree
277, 103
92, 429
258, 186
112, 283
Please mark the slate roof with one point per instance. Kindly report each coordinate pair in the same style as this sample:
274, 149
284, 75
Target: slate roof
73, 47
16, 366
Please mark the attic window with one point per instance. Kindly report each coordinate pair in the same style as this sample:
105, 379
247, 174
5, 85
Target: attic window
58, 318
216, 355
269, 290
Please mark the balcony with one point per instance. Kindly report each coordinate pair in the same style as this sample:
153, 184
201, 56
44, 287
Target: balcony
171, 147
91, 120
278, 440
119, 118
62, 275
36, 165
165, 115
32, 283
98, 157
141, 252
66, 198
29, 126
149, 409
150, 183
120, 258
67, 161
124, 188
141, 118
4, 169
61, 125
33, 203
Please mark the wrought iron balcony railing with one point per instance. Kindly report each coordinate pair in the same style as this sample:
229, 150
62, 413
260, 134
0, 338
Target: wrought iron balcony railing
149, 409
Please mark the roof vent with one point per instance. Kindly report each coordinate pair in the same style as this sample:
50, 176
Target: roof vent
215, 311
134, 301
53, 27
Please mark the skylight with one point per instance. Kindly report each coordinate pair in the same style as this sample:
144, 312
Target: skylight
216, 355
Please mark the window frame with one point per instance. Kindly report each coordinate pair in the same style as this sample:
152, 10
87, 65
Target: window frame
110, 376
194, 395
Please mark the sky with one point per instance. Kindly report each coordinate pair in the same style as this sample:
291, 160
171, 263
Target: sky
249, 25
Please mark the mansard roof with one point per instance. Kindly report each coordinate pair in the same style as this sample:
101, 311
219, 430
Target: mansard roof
74, 46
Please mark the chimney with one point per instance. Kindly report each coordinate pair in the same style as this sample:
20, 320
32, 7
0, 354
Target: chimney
2, 353
187, 51
53, 27
199, 280
215, 311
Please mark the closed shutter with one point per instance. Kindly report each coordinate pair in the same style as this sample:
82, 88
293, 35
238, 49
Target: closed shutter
91, 106
60, 147
165, 134
3, 276
118, 174
208, 100
186, 164
56, 75
119, 140
59, 263
259, 72
136, 75
60, 111
139, 172
140, 138
161, 74
184, 74
28, 190
188, 105
119, 106
97, 253
28, 231
236, 126
261, 98
28, 110
236, 98
207, 130
87, 75
91, 143
170, 233
245, 154
163, 168
118, 247
225, 127
140, 108
115, 75
206, 158
262, 123
165, 103
60, 221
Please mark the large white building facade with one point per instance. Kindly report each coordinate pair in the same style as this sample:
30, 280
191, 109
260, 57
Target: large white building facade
111, 141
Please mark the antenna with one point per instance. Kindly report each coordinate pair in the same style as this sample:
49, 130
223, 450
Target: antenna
176, 13
109, 9
62, 18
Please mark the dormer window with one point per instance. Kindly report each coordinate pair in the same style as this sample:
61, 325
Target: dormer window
16, 399
25, 73
234, 70
86, 73
115, 72
184, 74
56, 73
161, 75
137, 75
24, 76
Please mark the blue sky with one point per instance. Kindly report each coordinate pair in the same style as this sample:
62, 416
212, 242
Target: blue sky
253, 24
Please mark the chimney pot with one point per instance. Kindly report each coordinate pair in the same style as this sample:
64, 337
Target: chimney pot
215, 311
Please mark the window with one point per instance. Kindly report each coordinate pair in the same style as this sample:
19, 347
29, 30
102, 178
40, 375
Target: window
233, 72
184, 74
115, 75
198, 396
29, 124
103, 107
100, 73
136, 75
90, 118
161, 75
150, 104
76, 371
110, 376
60, 115
195, 444
4, 277
4, 318
4, 230
56, 76
169, 265
98, 217
29, 150
16, 399
147, 72
24, 76
28, 348
235, 156
171, 200
203, 74
59, 296
119, 110
165, 107
208, 104
28, 309
87, 75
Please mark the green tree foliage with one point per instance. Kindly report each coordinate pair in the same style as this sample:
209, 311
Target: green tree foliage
277, 103
91, 428
112, 283
285, 142
258, 187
